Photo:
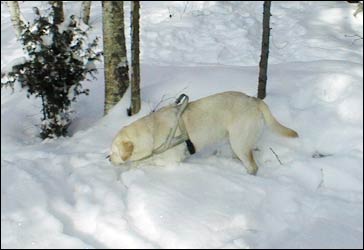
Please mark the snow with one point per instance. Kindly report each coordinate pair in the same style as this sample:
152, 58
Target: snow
63, 193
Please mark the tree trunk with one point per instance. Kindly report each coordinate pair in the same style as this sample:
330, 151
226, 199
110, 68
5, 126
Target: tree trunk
57, 7
135, 67
16, 17
263, 64
115, 58
86, 7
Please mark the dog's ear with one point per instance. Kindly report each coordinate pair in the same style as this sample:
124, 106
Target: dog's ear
128, 147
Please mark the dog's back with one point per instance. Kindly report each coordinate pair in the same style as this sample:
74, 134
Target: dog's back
224, 108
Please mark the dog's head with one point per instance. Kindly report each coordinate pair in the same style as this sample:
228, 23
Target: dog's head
121, 150
132, 142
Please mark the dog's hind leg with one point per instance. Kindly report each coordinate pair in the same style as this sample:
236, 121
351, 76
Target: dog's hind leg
248, 160
242, 145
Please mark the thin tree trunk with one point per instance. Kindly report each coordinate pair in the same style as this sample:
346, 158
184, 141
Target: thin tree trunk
135, 67
57, 7
16, 17
263, 64
86, 7
115, 58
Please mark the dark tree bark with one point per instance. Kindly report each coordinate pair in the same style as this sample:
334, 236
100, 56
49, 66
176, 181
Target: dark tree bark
86, 8
263, 64
115, 58
135, 67
57, 7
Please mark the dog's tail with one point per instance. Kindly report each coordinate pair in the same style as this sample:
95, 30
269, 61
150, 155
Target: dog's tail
273, 123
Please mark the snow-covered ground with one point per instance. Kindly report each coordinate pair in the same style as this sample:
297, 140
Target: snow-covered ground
64, 193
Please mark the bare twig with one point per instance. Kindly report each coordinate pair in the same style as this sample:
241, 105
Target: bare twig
357, 37
184, 10
276, 156
163, 99
322, 179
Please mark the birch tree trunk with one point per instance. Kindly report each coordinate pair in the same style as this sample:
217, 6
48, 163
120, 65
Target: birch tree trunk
263, 65
86, 7
16, 17
57, 7
115, 60
135, 67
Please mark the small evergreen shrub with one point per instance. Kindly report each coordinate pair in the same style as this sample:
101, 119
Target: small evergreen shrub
58, 59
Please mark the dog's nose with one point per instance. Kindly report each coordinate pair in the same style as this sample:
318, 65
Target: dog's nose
108, 157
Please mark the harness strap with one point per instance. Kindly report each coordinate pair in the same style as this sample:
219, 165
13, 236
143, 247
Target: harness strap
172, 140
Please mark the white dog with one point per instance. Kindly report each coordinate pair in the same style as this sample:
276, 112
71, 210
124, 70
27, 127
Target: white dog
232, 115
